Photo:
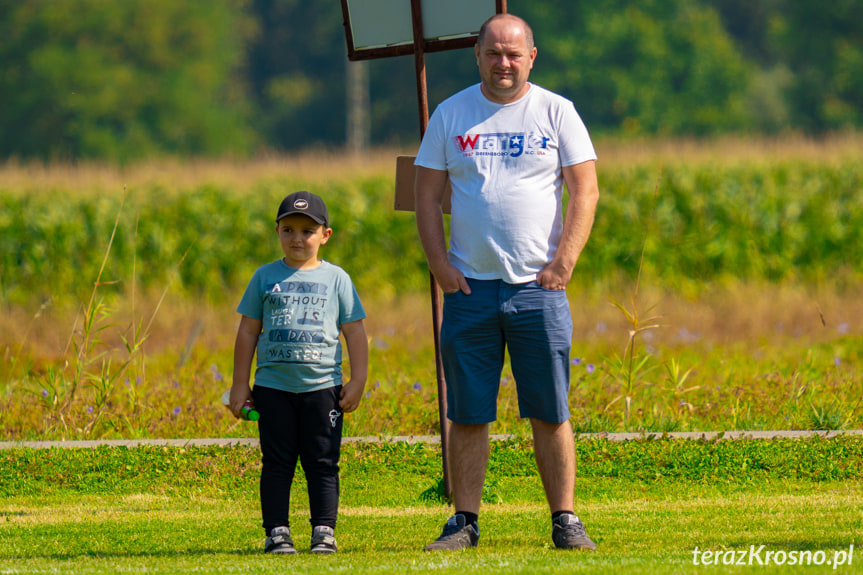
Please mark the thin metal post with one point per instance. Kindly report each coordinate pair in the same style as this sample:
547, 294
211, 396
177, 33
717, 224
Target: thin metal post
422, 99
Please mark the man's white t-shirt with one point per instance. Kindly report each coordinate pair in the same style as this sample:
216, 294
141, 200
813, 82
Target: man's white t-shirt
504, 163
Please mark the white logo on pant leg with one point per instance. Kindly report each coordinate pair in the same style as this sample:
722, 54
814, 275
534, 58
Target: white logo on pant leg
334, 416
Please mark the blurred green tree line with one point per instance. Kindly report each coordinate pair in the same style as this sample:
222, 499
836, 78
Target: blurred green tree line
132, 79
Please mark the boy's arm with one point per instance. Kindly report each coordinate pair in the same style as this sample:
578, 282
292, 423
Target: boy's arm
244, 352
358, 354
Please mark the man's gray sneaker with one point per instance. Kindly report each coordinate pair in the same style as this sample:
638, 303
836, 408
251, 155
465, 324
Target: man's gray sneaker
323, 541
280, 541
567, 532
456, 535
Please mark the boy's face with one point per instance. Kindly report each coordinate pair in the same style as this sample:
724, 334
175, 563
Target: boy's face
301, 237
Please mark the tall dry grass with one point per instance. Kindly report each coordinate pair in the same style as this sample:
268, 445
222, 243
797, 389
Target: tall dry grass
316, 165
93, 178
723, 315
730, 150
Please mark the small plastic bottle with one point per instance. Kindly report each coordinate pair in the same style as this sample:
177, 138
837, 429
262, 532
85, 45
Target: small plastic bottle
248, 412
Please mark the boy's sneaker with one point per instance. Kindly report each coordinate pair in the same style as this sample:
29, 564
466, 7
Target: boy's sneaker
323, 541
568, 532
280, 541
456, 535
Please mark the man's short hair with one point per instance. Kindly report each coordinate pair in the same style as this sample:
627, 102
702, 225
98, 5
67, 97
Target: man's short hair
528, 32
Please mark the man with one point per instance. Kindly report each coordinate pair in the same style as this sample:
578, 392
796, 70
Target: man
508, 147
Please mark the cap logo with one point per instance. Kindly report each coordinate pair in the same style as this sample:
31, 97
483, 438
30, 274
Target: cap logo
301, 204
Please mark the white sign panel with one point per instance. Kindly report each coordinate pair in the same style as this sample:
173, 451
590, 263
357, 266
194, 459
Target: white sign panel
455, 18
384, 23
380, 23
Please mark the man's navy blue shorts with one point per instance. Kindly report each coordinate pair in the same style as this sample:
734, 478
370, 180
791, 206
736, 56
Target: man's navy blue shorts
534, 324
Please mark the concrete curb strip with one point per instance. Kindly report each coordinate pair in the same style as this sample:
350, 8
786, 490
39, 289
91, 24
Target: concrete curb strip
253, 441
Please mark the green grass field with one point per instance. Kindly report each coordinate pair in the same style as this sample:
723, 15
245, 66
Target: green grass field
648, 504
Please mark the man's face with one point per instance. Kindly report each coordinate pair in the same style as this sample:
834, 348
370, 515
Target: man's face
504, 61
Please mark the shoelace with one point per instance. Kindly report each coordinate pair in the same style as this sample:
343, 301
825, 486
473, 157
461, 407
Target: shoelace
575, 528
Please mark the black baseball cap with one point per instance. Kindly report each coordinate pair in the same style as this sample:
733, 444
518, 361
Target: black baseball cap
305, 203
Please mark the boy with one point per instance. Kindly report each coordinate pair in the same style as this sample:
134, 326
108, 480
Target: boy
292, 312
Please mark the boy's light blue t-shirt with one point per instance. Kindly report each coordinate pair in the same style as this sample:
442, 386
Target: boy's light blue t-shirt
301, 313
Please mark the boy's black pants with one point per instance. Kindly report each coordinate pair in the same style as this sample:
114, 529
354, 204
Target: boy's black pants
304, 426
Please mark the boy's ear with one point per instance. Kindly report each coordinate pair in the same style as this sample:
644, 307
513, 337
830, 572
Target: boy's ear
327, 233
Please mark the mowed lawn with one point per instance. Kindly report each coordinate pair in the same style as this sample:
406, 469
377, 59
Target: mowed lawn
167, 510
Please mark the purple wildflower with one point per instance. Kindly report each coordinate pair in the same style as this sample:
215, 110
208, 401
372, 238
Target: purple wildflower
576, 361
417, 386
590, 368
216, 373
177, 411
44, 393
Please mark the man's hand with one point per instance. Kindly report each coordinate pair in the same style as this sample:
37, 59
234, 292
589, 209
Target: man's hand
451, 280
554, 276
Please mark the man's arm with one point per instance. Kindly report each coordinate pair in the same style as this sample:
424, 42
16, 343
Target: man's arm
583, 196
429, 190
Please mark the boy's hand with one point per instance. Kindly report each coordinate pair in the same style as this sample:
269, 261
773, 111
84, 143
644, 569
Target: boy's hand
239, 396
351, 395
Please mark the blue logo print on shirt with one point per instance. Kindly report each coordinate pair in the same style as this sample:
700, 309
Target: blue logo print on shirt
512, 144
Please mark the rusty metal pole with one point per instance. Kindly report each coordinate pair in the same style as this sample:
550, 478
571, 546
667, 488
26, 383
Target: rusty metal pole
422, 99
